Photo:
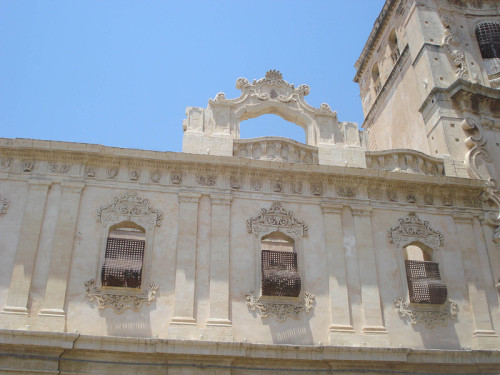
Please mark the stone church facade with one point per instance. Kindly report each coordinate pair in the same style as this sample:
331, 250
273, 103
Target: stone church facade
358, 252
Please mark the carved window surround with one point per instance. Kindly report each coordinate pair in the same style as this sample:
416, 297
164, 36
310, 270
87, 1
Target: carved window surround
277, 219
288, 307
412, 230
430, 315
128, 207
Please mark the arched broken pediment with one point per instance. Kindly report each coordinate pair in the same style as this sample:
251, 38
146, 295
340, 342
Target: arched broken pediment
216, 129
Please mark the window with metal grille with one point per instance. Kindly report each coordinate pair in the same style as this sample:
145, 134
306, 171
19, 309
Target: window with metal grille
488, 38
123, 258
280, 275
424, 282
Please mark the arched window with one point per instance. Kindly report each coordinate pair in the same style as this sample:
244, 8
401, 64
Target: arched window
393, 45
376, 79
280, 275
488, 38
424, 280
123, 259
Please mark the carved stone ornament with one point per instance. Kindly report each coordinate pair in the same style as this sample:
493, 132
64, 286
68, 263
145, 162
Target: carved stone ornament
429, 315
176, 178
112, 172
280, 311
297, 187
235, 182
90, 172
446, 198
256, 184
277, 218
4, 204
120, 302
411, 228
451, 44
205, 180
62, 169
317, 188
428, 198
155, 176
278, 187
411, 197
5, 163
392, 195
131, 206
478, 162
28, 166
134, 175
345, 191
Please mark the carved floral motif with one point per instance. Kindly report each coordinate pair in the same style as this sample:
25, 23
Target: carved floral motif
411, 228
112, 172
28, 166
176, 178
129, 205
4, 204
277, 218
256, 184
428, 315
345, 191
5, 163
155, 176
120, 302
62, 169
280, 311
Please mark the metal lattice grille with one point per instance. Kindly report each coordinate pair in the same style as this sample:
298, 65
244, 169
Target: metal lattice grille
280, 276
424, 282
488, 37
123, 263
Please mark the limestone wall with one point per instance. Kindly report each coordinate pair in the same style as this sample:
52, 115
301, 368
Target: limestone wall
204, 258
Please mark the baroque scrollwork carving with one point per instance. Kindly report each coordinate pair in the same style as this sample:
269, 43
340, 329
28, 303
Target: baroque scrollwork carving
451, 44
5, 163
4, 204
120, 302
412, 228
477, 161
428, 315
112, 172
280, 311
205, 180
277, 218
130, 205
346, 191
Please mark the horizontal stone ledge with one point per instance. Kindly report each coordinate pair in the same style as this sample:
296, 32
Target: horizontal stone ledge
111, 344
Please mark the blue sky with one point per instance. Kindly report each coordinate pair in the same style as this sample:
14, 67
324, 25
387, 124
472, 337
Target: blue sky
121, 72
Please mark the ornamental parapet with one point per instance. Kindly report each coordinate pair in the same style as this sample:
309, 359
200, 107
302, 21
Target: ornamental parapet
275, 149
409, 161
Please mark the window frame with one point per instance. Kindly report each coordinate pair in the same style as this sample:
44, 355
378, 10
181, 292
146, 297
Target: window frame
131, 210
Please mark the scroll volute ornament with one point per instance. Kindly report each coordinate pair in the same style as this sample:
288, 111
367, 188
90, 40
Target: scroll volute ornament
480, 164
411, 228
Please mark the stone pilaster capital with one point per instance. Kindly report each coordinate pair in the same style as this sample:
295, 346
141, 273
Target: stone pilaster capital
38, 183
189, 197
361, 210
463, 218
331, 208
72, 186
222, 199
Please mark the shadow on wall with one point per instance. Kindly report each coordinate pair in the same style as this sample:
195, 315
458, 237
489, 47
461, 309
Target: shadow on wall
291, 331
129, 323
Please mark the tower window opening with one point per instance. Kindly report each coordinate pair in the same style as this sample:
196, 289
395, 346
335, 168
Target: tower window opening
488, 38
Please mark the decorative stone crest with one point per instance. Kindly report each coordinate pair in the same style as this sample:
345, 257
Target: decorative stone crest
120, 302
411, 197
277, 218
62, 169
280, 311
317, 188
411, 228
4, 204
256, 184
429, 315
278, 187
130, 205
